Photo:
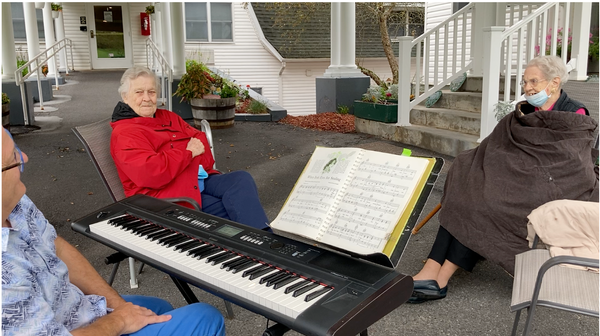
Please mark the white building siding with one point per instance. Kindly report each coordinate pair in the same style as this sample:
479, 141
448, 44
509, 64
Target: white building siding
81, 45
245, 59
137, 39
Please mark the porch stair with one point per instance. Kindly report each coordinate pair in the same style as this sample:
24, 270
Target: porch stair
449, 127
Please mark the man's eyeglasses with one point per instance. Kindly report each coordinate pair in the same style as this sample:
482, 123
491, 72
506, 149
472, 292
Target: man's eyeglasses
534, 82
17, 153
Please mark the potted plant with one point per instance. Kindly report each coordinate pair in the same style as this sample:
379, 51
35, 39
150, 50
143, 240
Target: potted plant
150, 10
56, 8
593, 54
5, 111
378, 104
212, 97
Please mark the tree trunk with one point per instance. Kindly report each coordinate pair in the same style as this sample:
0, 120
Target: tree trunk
373, 76
387, 45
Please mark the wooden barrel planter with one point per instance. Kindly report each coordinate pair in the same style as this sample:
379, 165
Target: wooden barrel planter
220, 113
6, 116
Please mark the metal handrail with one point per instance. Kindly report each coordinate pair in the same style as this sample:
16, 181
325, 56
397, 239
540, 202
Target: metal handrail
36, 64
154, 55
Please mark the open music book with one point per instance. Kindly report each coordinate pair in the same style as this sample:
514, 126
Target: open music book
354, 199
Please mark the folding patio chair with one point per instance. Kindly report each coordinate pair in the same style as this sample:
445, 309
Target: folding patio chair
540, 281
95, 138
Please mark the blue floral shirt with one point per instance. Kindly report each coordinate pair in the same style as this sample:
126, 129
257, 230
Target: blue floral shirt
37, 297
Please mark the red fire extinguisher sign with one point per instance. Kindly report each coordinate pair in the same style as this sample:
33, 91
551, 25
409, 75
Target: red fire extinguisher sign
145, 19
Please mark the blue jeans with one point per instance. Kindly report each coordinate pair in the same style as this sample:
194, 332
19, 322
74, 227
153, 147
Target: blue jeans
234, 196
198, 319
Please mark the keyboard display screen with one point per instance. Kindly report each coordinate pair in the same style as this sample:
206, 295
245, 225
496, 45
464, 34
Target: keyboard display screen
228, 230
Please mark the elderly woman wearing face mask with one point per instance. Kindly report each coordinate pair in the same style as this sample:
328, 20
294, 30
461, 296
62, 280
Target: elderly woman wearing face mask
539, 153
542, 83
158, 154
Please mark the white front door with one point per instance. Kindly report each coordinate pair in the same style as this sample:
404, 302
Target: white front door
109, 34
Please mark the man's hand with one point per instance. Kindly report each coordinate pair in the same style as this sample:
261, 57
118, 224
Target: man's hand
136, 317
195, 146
126, 319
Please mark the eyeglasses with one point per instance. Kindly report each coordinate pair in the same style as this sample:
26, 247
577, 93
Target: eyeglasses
534, 82
17, 153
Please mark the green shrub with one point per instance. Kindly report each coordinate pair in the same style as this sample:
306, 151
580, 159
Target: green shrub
257, 107
5, 99
343, 109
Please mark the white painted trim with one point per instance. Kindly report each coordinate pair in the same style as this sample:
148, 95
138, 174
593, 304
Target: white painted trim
260, 35
96, 63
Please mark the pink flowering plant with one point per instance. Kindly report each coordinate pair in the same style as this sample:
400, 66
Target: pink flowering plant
559, 44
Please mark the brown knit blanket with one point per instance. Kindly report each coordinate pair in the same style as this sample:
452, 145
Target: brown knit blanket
527, 160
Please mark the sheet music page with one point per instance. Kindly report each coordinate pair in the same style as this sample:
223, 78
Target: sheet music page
376, 198
315, 191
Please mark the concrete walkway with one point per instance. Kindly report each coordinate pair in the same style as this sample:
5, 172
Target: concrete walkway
63, 183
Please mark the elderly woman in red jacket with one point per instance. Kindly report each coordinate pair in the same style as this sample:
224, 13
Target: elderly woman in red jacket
158, 154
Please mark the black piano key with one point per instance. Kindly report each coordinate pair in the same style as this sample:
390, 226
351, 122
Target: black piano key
295, 286
209, 252
279, 278
119, 220
160, 234
130, 223
304, 289
223, 257
216, 255
176, 240
182, 242
233, 262
168, 239
242, 266
316, 294
187, 246
270, 277
195, 252
136, 226
260, 273
146, 230
284, 282
251, 271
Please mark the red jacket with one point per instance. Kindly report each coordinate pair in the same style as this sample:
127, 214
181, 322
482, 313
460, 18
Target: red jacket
152, 159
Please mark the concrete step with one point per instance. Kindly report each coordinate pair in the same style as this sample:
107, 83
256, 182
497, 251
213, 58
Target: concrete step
475, 84
452, 120
434, 139
462, 101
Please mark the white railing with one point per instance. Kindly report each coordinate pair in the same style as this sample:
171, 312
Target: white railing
35, 65
155, 61
507, 51
437, 67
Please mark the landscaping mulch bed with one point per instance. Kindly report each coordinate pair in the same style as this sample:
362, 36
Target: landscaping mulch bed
329, 121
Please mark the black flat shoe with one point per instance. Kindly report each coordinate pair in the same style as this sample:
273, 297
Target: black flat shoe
426, 290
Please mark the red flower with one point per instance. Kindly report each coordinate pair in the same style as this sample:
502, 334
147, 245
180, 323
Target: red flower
387, 94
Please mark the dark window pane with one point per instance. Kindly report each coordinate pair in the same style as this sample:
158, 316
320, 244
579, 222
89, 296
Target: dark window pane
196, 25
221, 23
18, 16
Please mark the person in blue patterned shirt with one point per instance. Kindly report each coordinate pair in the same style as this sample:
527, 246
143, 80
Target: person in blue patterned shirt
49, 288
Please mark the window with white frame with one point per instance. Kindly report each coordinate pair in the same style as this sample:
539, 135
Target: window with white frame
208, 22
18, 18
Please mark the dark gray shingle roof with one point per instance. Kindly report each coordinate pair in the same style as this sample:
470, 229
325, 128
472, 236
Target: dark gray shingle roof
302, 30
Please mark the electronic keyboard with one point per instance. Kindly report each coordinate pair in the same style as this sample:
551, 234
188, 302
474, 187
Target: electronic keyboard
309, 289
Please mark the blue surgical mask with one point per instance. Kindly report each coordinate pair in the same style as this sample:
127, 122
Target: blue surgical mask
539, 98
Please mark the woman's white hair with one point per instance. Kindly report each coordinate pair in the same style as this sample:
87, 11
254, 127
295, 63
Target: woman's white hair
133, 73
551, 66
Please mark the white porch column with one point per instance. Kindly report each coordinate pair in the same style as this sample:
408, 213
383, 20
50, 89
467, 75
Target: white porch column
348, 39
166, 32
177, 38
484, 15
33, 39
9, 57
335, 40
581, 39
59, 23
404, 81
49, 37
491, 86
